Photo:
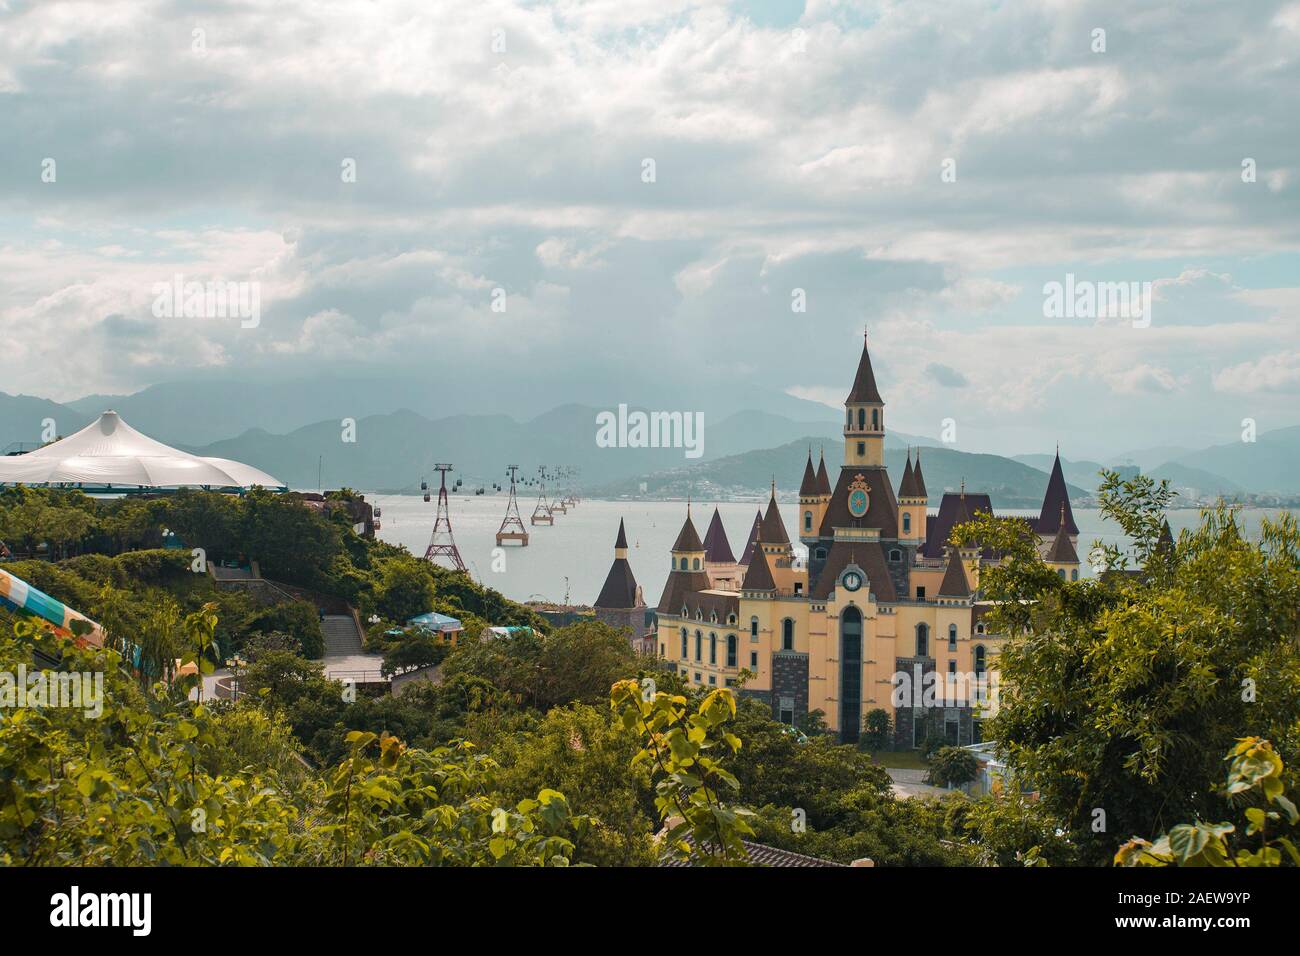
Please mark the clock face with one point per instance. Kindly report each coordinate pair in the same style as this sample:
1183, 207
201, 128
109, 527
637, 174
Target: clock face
852, 581
858, 502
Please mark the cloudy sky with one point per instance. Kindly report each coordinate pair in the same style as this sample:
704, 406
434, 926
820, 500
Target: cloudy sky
918, 169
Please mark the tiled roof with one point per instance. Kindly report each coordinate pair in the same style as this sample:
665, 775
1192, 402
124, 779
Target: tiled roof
620, 586
753, 536
680, 589
869, 556
955, 583
1056, 498
808, 487
864, 382
919, 489
773, 527
954, 508
716, 546
823, 482
759, 576
621, 540
882, 507
688, 539
759, 854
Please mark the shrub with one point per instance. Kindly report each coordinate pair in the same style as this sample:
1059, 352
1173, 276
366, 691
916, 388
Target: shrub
952, 767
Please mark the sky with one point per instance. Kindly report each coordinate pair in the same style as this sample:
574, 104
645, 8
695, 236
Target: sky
621, 201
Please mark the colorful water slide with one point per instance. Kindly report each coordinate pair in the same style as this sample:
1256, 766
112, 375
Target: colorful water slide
22, 597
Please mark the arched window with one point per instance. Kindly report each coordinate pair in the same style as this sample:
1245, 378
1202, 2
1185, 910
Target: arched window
907, 521
862, 419
979, 628
922, 640
697, 564
1074, 574
683, 643
1061, 572
875, 419
895, 555
787, 635
699, 646
731, 650
979, 660
952, 637
850, 674
807, 520
753, 627
713, 648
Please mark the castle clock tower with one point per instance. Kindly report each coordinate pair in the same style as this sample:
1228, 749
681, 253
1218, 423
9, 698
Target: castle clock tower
864, 418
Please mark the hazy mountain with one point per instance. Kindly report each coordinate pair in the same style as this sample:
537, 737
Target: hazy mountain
1269, 464
1187, 479
1010, 483
22, 419
1148, 458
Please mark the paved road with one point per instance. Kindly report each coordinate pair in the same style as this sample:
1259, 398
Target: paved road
911, 783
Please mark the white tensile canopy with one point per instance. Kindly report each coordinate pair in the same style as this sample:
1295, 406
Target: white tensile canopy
111, 455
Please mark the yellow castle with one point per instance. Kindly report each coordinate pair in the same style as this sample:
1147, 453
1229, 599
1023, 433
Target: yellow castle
880, 609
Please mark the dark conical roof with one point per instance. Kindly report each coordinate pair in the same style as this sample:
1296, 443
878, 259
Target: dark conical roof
808, 487
753, 537
621, 540
919, 478
955, 583
716, 546
905, 486
759, 576
1165, 542
688, 539
864, 382
823, 480
620, 586
1062, 551
773, 527
1056, 499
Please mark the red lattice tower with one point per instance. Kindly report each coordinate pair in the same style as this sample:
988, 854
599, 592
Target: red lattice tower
441, 543
512, 526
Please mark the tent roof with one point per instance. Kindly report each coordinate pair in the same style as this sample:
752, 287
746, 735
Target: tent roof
110, 453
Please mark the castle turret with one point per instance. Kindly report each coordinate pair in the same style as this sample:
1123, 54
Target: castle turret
748, 554
864, 417
1062, 557
912, 503
810, 519
620, 603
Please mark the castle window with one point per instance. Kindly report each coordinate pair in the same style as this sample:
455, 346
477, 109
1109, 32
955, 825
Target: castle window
952, 667
922, 640
713, 648
979, 660
753, 661
895, 555
807, 520
920, 592
862, 448
731, 650
713, 679
979, 628
875, 419
753, 627
699, 647
683, 643
787, 635
821, 554
697, 564
952, 637
1074, 574
862, 419
1061, 572
731, 619
907, 521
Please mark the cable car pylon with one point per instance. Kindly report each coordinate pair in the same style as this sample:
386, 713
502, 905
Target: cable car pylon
542, 513
512, 526
441, 542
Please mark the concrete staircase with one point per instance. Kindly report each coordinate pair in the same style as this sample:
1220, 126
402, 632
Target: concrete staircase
341, 635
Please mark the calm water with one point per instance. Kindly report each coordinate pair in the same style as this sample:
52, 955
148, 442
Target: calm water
573, 556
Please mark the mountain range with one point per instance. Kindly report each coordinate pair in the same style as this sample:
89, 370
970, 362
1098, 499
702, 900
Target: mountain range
295, 430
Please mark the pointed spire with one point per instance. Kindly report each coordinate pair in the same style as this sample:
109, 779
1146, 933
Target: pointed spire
716, 547
1056, 504
906, 486
688, 539
1062, 551
808, 487
864, 382
823, 480
754, 530
621, 540
955, 583
758, 577
1165, 543
773, 527
918, 479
